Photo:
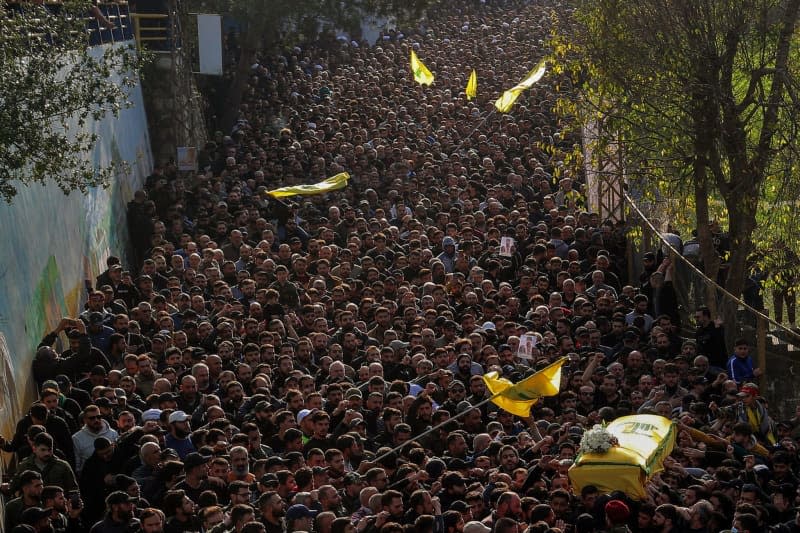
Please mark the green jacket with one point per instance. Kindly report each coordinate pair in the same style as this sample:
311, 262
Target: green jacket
55, 472
13, 513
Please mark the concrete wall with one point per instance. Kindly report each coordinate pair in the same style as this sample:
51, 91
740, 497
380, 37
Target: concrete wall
52, 242
173, 106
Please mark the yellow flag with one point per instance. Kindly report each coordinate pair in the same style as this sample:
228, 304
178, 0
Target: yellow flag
643, 441
339, 181
472, 85
421, 73
507, 99
519, 398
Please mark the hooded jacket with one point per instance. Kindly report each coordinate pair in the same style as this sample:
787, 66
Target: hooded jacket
84, 442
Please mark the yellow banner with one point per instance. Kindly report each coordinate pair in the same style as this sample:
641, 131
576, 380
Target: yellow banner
507, 99
472, 85
519, 398
644, 442
421, 73
339, 181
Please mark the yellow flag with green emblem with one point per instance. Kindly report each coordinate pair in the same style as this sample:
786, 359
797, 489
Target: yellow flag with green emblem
421, 73
472, 85
507, 99
339, 181
518, 398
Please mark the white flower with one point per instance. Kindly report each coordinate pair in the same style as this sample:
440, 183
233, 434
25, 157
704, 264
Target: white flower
597, 440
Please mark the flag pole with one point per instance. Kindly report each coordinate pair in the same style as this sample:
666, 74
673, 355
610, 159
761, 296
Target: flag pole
465, 139
494, 110
462, 413
437, 426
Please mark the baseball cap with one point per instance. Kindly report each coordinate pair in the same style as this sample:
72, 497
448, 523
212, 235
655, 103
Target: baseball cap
50, 384
398, 345
103, 402
352, 393
302, 414
576, 430
463, 405
118, 497
32, 515
151, 414
476, 527
299, 511
63, 381
194, 459
275, 461
357, 422
748, 389
269, 479
351, 478
263, 405
761, 469
178, 416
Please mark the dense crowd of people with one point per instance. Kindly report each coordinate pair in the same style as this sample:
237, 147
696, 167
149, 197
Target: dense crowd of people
255, 363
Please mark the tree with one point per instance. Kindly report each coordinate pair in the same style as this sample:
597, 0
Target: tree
49, 79
271, 25
699, 93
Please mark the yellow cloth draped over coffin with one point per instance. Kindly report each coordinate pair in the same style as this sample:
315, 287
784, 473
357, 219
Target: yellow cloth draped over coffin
644, 442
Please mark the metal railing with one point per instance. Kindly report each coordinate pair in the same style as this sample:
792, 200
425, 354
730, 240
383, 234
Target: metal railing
151, 30
156, 26
774, 347
116, 13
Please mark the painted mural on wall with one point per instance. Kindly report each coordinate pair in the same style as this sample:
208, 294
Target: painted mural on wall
53, 242
9, 408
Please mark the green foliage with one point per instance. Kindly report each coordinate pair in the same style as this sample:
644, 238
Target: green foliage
695, 93
48, 80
